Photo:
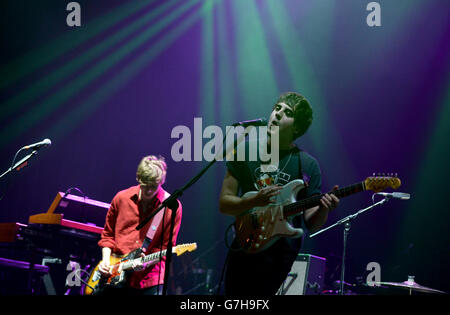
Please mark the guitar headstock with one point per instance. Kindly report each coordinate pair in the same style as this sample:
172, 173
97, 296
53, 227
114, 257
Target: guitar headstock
379, 183
181, 249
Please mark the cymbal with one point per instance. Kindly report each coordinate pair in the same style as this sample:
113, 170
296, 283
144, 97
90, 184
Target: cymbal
411, 285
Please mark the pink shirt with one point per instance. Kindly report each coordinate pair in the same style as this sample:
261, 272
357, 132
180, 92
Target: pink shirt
121, 236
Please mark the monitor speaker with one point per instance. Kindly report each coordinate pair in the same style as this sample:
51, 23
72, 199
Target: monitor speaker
306, 277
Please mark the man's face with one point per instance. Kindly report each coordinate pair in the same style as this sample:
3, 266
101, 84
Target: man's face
148, 191
283, 117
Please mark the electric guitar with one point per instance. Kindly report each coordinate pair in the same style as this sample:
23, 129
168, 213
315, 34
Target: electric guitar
258, 228
121, 266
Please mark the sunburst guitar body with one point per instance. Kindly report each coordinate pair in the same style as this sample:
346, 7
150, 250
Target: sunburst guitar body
121, 266
258, 228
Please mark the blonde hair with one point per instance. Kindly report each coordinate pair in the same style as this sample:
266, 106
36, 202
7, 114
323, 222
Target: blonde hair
151, 170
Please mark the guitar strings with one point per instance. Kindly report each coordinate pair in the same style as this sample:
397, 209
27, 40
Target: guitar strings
302, 204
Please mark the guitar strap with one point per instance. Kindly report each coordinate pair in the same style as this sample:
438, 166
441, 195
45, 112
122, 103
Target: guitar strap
300, 174
156, 222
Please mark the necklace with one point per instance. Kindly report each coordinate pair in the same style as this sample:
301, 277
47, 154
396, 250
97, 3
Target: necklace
274, 169
290, 155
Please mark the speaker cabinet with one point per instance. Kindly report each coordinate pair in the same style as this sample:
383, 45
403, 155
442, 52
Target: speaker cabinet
306, 277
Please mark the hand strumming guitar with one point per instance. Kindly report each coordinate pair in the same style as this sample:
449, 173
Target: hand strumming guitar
265, 196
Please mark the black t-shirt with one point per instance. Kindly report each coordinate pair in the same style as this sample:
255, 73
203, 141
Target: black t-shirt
252, 174
264, 272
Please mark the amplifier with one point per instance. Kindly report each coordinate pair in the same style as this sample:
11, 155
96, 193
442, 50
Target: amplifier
306, 277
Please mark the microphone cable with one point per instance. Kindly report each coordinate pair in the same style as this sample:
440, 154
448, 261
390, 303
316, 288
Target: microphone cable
8, 180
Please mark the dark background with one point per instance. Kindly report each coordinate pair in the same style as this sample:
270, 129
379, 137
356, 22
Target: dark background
107, 98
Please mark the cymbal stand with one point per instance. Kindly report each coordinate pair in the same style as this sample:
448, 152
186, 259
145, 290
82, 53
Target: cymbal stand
347, 225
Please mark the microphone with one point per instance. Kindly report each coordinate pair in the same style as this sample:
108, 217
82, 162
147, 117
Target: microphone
38, 145
395, 195
254, 122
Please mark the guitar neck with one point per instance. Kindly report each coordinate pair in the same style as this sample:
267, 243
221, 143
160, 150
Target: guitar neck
299, 206
129, 264
154, 256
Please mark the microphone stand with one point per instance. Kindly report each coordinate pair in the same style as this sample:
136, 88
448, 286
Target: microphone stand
171, 203
19, 165
22, 163
347, 224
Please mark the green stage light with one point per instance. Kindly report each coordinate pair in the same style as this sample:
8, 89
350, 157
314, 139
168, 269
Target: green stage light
15, 103
89, 105
40, 57
47, 106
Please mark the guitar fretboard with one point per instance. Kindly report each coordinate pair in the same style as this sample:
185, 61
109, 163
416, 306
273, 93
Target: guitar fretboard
129, 264
299, 206
154, 256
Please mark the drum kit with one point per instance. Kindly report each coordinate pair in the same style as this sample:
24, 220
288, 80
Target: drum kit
409, 285
383, 288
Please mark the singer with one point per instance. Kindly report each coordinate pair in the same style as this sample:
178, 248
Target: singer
128, 208
263, 273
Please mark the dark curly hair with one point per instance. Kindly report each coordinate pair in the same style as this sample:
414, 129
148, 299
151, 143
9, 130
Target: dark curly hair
303, 114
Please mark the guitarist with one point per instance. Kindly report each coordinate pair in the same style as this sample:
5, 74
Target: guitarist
128, 208
263, 273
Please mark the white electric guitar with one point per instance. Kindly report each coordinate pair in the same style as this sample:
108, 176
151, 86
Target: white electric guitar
258, 228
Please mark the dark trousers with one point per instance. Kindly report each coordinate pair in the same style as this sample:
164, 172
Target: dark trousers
261, 273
